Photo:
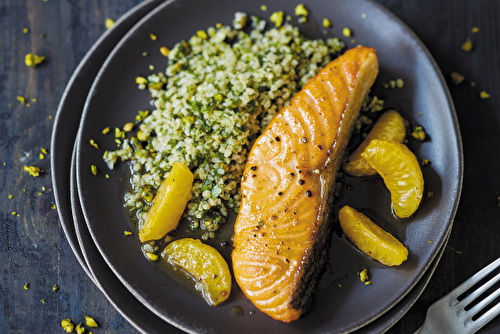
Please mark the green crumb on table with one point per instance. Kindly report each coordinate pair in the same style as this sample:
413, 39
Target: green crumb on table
127, 232
430, 193
109, 23
261, 223
153, 36
107, 176
327, 23
26, 30
164, 51
400, 83
32, 60
93, 168
33, 171
44, 150
93, 143
425, 162
202, 33
418, 133
484, 95
128, 127
340, 285
14, 213
152, 256
40, 194
475, 29
55, 287
467, 46
263, 8
90, 322
43, 188
300, 10
105, 130
346, 32
21, 99
151, 67
429, 241
42, 301
80, 329
456, 78
277, 18
10, 196
119, 133
26, 286
363, 275
141, 81
41, 156
53, 206
67, 325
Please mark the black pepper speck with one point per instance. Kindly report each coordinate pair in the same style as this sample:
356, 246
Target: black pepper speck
309, 193
304, 139
292, 174
280, 193
301, 182
277, 138
320, 147
253, 168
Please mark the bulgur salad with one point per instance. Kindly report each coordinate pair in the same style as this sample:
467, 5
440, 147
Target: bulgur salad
220, 90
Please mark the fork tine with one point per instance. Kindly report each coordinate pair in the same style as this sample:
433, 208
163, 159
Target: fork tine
485, 318
476, 293
473, 311
475, 278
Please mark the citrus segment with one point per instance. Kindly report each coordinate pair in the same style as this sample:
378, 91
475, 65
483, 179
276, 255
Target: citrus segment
390, 126
168, 204
371, 239
401, 172
204, 264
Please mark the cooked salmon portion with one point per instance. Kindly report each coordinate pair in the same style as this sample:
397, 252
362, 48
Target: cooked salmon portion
283, 230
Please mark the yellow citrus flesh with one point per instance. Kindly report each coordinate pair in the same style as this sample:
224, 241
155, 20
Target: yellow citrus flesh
204, 264
390, 126
168, 204
401, 172
371, 239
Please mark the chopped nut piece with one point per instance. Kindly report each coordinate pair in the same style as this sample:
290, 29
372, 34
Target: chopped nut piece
33, 171
10, 196
41, 156
93, 168
425, 162
277, 18
263, 8
152, 36
346, 32
475, 29
26, 30
430, 193
14, 213
53, 207
105, 130
202, 34
93, 143
128, 127
109, 23
80, 329
363, 275
127, 232
21, 99
43, 188
467, 46
456, 78
327, 23
90, 321
67, 325
26, 286
55, 287
484, 95
152, 256
418, 133
164, 51
44, 150
31, 60
400, 83
141, 81
300, 10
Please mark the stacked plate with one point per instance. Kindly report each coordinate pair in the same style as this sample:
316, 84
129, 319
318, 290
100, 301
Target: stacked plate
102, 93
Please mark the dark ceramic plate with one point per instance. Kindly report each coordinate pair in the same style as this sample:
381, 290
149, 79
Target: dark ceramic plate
69, 112
342, 303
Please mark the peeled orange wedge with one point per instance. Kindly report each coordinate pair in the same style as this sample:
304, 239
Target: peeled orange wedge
390, 126
168, 204
204, 264
401, 172
371, 239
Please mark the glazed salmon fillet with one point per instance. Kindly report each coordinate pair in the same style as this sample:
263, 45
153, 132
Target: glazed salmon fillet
283, 229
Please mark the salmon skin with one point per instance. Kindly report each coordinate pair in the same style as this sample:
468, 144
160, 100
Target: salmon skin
283, 230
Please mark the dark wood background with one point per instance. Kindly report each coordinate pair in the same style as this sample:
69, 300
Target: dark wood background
33, 248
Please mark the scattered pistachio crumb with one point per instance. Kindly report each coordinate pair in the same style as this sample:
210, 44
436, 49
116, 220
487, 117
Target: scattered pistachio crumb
14, 213
105, 130
152, 256
41, 156
93, 143
202, 34
263, 8
44, 150
151, 67
340, 285
277, 18
26, 286
430, 193
43, 188
42, 301
429, 241
80, 329
141, 81
21, 99
456, 78
418, 133
419, 114
300, 10
127, 232
93, 168
31, 60
107, 176
33, 171
363, 16
400, 83
472, 84
28, 105
109, 23
67, 325
33, 100
90, 321
145, 53
327, 23
346, 32
153, 36
475, 29
368, 282
164, 51
55, 287
10, 196
363, 275
26, 30
302, 19
218, 25
39, 194
53, 206
467, 46
128, 127
484, 95
425, 162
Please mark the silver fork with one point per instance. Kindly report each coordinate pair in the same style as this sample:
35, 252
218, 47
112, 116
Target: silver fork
448, 314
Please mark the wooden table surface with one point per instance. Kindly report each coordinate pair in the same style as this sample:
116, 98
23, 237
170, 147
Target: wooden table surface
33, 247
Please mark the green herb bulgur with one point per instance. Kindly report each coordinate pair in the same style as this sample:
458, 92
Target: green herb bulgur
217, 96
